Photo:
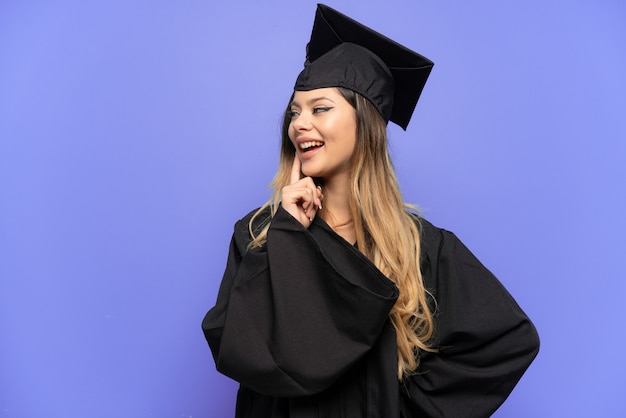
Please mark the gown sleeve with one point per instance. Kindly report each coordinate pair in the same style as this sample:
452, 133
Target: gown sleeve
485, 341
293, 316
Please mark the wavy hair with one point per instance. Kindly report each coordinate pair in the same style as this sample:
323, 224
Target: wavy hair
386, 231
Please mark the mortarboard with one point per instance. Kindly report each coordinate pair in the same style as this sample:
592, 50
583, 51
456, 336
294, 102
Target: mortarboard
344, 53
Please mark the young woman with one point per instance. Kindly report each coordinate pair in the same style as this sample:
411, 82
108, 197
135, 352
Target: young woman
339, 301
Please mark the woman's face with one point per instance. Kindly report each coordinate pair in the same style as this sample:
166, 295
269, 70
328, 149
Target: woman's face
323, 131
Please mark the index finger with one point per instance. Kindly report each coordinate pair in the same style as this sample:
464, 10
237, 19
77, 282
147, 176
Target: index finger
295, 170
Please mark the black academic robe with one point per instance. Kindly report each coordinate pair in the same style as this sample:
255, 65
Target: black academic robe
302, 324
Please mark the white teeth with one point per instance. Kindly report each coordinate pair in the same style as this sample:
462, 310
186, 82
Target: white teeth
310, 144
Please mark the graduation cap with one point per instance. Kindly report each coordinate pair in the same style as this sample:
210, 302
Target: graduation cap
344, 53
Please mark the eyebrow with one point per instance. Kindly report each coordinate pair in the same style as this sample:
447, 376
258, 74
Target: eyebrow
311, 101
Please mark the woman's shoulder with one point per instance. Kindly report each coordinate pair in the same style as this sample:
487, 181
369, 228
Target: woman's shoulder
262, 214
430, 234
254, 221
436, 241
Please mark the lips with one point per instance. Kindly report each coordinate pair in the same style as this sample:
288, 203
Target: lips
310, 145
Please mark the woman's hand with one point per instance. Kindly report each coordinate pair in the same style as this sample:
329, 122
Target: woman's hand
302, 199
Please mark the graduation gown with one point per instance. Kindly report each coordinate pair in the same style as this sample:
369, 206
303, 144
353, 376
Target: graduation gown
302, 324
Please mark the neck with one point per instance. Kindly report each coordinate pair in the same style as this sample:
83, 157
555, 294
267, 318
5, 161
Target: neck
336, 205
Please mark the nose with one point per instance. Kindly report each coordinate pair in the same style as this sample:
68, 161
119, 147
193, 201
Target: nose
302, 122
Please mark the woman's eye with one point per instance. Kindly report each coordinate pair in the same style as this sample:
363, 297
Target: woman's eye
321, 109
292, 113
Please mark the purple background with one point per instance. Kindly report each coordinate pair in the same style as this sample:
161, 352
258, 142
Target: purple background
133, 134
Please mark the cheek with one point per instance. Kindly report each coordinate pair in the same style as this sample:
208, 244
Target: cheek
292, 141
349, 131
290, 131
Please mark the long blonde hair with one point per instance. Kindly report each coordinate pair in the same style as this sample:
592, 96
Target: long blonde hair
385, 231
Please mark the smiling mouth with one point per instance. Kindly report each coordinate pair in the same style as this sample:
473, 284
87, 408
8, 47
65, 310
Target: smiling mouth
311, 145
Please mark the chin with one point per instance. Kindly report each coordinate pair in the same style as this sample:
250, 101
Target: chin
310, 171
312, 174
